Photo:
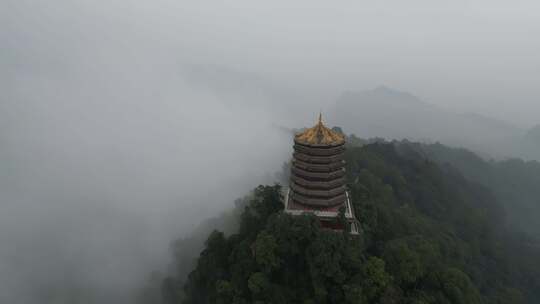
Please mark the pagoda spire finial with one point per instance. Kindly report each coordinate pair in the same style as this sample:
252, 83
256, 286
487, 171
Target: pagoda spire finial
319, 134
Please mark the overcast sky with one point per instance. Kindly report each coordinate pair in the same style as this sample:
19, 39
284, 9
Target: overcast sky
481, 56
106, 154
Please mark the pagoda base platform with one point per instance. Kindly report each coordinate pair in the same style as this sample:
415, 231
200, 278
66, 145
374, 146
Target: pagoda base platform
327, 215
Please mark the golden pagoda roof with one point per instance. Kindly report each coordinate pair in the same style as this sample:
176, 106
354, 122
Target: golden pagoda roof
320, 135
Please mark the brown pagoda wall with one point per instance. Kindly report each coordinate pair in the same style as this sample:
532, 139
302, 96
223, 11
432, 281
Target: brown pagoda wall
318, 193
321, 176
318, 167
315, 201
322, 185
317, 175
318, 159
319, 151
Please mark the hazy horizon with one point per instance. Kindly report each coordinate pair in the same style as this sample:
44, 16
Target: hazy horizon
108, 153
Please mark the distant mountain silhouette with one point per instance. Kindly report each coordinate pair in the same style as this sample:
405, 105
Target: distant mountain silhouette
380, 112
385, 112
534, 134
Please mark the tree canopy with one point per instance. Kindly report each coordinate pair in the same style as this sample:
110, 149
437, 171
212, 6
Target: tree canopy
428, 235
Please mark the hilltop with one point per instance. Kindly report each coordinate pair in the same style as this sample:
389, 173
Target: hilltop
430, 234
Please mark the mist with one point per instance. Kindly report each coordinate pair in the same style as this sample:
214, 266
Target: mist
113, 142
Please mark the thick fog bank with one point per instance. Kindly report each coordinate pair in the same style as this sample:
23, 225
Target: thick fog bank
113, 142
102, 170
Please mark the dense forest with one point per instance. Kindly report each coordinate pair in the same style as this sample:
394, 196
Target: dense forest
433, 231
514, 182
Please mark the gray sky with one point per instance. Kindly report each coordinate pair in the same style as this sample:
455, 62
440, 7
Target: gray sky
481, 56
107, 154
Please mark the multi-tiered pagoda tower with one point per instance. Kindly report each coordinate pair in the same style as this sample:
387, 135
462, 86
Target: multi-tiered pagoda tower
317, 182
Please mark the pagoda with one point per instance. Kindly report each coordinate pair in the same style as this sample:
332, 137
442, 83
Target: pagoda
317, 183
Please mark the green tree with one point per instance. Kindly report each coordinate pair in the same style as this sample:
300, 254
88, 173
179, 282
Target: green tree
265, 251
374, 278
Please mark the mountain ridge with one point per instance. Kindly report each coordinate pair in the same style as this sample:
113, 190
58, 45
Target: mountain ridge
379, 112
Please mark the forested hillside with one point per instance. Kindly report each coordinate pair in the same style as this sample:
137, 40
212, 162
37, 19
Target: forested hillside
429, 235
514, 182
